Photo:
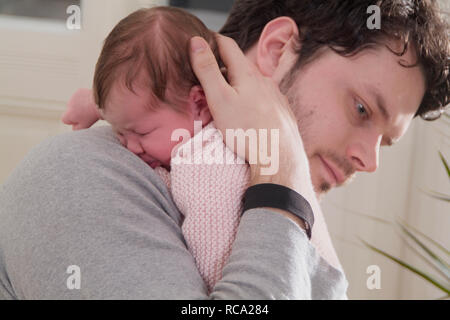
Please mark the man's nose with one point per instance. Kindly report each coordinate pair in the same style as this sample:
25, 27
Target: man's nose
364, 153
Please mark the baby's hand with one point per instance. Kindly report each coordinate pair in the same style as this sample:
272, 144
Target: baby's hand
82, 112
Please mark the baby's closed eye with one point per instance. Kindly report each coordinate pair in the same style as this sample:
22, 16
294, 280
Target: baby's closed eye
120, 137
141, 134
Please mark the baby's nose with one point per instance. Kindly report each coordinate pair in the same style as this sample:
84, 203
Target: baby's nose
134, 146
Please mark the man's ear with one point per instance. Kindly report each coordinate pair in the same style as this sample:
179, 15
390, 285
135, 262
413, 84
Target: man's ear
275, 43
199, 106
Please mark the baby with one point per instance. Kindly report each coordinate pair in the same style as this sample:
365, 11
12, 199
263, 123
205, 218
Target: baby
145, 88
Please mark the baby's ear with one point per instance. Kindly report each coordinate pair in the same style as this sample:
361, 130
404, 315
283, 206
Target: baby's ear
199, 105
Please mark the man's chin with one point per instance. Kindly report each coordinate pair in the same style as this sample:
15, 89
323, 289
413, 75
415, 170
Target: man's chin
322, 189
325, 187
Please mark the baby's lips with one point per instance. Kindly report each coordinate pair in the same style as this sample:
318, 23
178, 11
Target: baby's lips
154, 164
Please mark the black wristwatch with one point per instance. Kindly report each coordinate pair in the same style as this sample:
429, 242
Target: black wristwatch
277, 196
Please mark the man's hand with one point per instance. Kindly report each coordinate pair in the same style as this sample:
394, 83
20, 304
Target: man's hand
82, 112
252, 101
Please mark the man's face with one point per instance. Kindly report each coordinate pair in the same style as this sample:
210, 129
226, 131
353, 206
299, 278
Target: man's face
339, 104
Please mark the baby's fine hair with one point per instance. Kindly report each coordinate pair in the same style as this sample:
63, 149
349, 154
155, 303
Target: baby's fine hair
154, 41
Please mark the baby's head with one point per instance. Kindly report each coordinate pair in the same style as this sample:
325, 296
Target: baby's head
144, 85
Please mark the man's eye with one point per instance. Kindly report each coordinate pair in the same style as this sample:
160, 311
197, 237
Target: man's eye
361, 109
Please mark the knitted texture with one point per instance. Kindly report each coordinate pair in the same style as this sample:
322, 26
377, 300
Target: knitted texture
207, 181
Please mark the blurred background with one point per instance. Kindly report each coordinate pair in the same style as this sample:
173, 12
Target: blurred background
42, 62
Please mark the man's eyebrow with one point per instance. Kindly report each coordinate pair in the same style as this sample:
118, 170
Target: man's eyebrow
380, 102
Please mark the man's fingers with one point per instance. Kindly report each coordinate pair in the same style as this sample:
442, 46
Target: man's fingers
238, 66
208, 73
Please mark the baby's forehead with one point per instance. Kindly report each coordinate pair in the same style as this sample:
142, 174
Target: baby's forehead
122, 92
125, 102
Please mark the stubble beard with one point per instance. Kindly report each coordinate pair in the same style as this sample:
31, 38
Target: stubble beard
305, 120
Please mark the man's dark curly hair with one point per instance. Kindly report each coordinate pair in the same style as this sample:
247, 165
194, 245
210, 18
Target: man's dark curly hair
341, 25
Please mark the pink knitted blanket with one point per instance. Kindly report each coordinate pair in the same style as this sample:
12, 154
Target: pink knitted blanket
208, 191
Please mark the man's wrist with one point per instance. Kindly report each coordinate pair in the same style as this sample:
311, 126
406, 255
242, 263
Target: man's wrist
292, 176
295, 177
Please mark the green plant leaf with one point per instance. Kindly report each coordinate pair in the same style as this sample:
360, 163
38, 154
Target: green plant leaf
440, 263
436, 195
424, 258
424, 275
445, 164
435, 243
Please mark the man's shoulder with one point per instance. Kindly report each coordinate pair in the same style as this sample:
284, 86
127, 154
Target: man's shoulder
97, 138
85, 151
87, 174
72, 147
82, 197
87, 160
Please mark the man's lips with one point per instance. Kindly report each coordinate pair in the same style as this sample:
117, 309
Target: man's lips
337, 177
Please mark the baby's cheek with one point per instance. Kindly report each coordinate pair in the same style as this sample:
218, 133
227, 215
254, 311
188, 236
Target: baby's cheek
167, 147
157, 148
122, 140
168, 150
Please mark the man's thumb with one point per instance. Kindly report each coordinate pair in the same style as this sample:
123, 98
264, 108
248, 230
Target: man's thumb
206, 68
198, 45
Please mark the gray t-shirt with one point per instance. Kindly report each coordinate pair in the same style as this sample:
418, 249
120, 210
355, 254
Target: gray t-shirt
81, 205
